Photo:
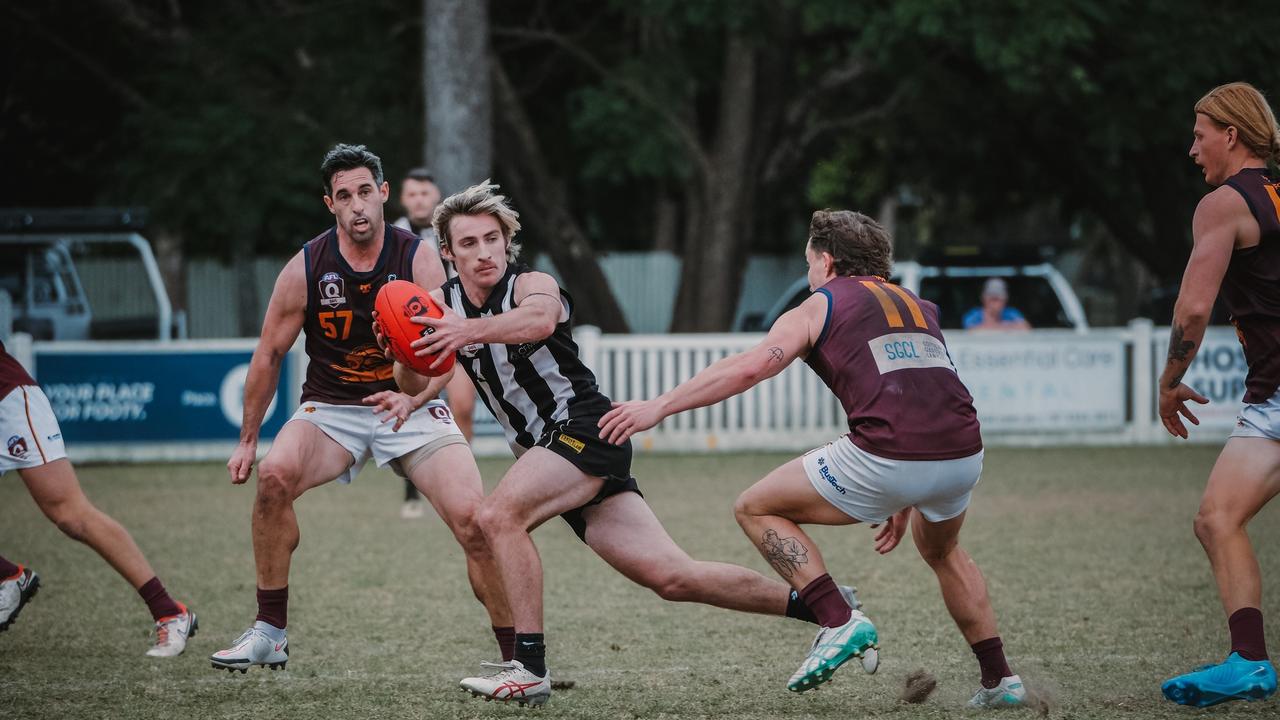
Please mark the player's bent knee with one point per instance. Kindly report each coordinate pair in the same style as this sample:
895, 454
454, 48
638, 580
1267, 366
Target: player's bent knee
676, 587
937, 554
71, 518
495, 519
746, 507
276, 481
1211, 526
466, 527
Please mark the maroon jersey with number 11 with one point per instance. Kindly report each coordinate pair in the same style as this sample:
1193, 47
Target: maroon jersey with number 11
881, 352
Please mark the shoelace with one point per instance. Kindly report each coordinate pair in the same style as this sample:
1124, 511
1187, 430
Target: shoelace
506, 670
162, 632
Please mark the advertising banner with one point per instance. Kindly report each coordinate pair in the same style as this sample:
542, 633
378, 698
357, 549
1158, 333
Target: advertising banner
157, 394
1048, 381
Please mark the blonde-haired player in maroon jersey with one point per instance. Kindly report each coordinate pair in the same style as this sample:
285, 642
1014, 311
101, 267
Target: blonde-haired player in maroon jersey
912, 456
1236, 231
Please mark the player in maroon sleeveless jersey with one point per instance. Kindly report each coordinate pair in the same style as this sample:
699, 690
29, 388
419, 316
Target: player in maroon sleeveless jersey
911, 458
1236, 253
327, 291
34, 447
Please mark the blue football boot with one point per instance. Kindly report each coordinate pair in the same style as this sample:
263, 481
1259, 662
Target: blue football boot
1233, 679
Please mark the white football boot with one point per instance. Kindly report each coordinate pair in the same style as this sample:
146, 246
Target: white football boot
1009, 693
834, 647
253, 647
511, 682
172, 633
15, 592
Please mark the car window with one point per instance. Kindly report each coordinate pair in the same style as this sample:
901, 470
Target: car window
1030, 295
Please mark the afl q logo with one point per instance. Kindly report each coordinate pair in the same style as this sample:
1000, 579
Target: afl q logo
332, 290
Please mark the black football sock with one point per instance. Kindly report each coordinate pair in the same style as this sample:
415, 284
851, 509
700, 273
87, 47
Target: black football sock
798, 610
532, 653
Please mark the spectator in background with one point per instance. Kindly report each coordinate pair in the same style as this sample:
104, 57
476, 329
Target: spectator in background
995, 313
419, 196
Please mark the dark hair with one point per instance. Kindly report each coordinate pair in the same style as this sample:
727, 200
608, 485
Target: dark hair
859, 245
420, 174
348, 157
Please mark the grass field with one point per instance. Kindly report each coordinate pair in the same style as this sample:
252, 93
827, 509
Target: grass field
1100, 587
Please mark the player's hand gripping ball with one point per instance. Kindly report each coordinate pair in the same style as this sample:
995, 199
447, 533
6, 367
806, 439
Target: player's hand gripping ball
398, 301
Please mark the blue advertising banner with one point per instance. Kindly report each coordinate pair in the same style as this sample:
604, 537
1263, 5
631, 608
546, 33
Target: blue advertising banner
159, 395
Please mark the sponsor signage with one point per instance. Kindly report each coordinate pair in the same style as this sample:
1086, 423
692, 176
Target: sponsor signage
152, 396
1023, 382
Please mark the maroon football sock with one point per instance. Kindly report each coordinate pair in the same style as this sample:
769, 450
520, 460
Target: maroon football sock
273, 607
506, 641
7, 569
1246, 633
158, 600
990, 654
824, 599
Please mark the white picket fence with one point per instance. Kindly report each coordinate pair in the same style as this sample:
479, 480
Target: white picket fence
1045, 387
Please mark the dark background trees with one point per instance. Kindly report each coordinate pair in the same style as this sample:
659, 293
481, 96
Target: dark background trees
710, 129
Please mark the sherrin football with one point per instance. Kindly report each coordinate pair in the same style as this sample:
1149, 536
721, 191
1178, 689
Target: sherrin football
398, 301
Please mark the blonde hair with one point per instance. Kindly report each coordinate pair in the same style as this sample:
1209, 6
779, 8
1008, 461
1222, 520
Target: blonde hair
1243, 107
481, 199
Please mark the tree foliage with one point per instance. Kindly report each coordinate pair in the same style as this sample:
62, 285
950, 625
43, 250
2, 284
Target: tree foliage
712, 127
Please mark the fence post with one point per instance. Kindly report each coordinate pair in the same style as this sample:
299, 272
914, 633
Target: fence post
588, 339
21, 346
1142, 382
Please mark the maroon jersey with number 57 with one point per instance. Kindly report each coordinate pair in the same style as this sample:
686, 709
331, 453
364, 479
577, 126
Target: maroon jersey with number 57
881, 352
345, 364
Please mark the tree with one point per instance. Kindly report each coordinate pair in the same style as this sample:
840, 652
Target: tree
459, 125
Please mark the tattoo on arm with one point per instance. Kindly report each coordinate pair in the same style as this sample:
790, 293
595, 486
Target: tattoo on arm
1179, 347
775, 354
786, 555
1179, 350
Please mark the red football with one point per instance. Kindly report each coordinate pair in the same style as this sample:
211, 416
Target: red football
398, 301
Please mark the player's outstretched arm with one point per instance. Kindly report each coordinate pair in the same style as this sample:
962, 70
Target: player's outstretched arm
1214, 230
791, 336
286, 312
538, 310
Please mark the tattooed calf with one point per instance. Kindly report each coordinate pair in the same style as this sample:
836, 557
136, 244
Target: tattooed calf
786, 555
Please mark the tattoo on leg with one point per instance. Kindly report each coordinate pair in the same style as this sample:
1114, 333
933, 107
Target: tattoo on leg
786, 555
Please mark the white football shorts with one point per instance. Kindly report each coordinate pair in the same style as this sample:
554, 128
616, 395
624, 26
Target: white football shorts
29, 429
358, 429
870, 488
1260, 420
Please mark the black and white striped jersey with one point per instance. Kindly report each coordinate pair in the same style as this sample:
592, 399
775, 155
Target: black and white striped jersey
527, 387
